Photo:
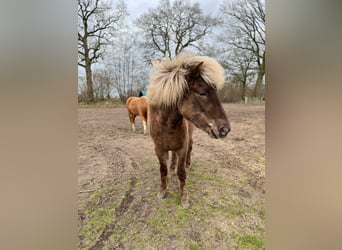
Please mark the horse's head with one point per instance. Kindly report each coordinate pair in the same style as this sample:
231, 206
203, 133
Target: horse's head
200, 105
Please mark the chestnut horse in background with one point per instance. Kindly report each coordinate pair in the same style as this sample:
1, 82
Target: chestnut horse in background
182, 94
137, 106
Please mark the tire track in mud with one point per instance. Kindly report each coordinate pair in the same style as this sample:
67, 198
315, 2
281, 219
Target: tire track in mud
119, 163
133, 164
122, 208
127, 200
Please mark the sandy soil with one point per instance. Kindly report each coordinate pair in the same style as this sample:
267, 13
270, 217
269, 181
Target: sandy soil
119, 179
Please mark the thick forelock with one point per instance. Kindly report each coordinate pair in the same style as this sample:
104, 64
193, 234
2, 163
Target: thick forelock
168, 82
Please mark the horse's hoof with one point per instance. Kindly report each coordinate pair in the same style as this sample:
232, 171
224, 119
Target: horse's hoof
161, 195
185, 203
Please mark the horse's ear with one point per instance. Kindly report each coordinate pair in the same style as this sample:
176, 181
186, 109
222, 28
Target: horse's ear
195, 71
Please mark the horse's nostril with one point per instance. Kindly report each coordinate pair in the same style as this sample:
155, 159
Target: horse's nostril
224, 131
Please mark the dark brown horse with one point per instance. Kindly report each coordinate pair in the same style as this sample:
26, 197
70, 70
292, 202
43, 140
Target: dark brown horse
137, 106
183, 93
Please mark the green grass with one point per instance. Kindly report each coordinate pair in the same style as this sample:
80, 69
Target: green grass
102, 104
250, 242
99, 210
194, 246
171, 216
243, 181
97, 223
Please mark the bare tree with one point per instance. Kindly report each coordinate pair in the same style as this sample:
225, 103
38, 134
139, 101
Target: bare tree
103, 84
96, 20
82, 91
241, 69
247, 26
171, 27
128, 69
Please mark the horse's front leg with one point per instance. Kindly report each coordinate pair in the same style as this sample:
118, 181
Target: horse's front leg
162, 157
174, 162
181, 172
188, 154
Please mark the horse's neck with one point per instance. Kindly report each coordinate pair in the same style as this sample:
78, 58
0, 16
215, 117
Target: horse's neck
173, 118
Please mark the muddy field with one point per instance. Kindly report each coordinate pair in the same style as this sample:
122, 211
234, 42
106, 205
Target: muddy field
119, 180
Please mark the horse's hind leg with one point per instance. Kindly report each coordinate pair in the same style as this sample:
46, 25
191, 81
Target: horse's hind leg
131, 119
143, 116
181, 172
145, 126
162, 157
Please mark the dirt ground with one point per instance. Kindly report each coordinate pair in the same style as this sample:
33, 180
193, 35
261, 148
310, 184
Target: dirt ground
119, 180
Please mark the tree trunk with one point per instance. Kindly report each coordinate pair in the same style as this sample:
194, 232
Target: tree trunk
123, 98
261, 74
90, 89
89, 76
243, 90
258, 84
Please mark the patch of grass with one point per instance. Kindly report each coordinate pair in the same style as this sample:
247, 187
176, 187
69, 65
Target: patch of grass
257, 208
102, 104
212, 180
219, 200
99, 211
250, 242
172, 199
157, 223
261, 213
92, 201
139, 184
243, 181
171, 216
96, 224
260, 229
194, 246
260, 159
235, 209
183, 216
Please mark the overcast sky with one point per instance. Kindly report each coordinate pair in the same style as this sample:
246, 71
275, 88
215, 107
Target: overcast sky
137, 7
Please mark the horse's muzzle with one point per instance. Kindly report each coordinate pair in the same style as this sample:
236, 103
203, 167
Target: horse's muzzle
218, 131
224, 131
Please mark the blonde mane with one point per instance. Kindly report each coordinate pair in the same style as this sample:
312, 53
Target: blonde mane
168, 83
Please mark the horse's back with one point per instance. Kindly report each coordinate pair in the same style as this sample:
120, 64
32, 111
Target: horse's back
142, 100
137, 105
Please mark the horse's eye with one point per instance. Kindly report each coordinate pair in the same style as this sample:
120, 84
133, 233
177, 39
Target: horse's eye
202, 94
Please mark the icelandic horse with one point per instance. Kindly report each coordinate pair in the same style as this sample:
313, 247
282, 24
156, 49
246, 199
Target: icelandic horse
182, 94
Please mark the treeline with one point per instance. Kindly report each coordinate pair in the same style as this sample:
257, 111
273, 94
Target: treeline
115, 56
